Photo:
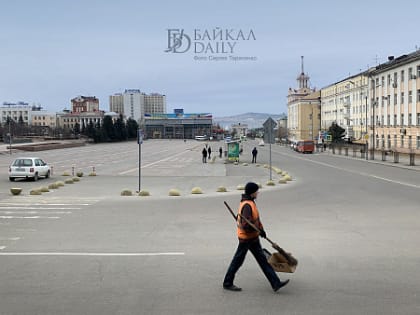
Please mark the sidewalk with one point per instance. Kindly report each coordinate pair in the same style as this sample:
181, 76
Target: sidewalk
388, 160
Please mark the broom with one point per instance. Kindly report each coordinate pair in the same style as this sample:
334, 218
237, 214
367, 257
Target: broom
290, 259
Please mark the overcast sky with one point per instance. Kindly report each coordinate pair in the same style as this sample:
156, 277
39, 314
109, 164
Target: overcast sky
51, 51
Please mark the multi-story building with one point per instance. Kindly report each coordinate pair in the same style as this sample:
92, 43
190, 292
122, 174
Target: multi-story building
116, 103
303, 110
394, 92
345, 103
135, 104
81, 104
155, 103
44, 119
19, 111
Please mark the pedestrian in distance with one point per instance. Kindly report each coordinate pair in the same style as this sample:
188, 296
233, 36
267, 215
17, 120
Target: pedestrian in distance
220, 152
209, 152
254, 155
249, 240
204, 153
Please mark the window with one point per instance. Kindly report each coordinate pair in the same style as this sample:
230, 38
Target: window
418, 71
402, 120
410, 73
418, 119
418, 95
388, 142
409, 142
402, 75
418, 142
383, 81
410, 116
395, 78
402, 97
388, 120
388, 79
410, 97
395, 98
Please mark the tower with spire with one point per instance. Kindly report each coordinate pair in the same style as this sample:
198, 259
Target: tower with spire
303, 109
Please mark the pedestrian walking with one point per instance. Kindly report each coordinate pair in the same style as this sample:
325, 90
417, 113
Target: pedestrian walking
220, 152
204, 153
248, 240
209, 152
254, 155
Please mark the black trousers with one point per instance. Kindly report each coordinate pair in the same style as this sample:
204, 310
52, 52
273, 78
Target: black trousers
255, 247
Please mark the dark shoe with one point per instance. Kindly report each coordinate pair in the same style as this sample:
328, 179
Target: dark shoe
281, 285
232, 288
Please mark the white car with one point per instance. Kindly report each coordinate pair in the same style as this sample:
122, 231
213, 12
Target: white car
28, 167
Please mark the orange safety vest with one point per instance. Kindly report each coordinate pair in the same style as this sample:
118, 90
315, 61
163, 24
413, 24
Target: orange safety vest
255, 219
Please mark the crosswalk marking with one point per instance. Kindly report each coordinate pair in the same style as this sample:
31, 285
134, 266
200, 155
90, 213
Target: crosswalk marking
2, 247
38, 208
9, 238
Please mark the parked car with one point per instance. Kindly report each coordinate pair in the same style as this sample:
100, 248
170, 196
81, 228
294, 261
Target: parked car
28, 167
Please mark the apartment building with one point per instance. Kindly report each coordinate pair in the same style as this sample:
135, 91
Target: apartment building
394, 90
135, 104
346, 104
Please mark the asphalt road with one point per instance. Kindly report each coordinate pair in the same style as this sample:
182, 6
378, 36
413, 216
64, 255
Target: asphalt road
352, 224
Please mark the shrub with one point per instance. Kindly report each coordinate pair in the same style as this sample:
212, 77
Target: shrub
144, 193
44, 189
76, 179
79, 174
270, 183
66, 174
69, 181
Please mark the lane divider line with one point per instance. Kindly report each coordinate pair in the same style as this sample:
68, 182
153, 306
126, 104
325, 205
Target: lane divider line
90, 254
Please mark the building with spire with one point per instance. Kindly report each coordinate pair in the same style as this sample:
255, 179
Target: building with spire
303, 109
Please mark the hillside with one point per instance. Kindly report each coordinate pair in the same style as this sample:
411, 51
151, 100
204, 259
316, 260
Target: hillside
253, 120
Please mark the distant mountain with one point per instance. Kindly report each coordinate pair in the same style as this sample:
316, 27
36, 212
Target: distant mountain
253, 120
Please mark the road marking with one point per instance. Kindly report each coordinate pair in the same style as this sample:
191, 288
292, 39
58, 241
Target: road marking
2, 247
38, 208
35, 212
90, 254
151, 164
353, 172
33, 217
9, 238
43, 204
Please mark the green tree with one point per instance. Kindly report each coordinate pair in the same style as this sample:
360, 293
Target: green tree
120, 129
108, 129
336, 132
132, 127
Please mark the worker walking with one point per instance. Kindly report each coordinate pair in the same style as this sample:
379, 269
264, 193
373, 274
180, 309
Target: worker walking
248, 240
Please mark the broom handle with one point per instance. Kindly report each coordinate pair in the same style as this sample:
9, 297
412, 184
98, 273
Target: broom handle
275, 246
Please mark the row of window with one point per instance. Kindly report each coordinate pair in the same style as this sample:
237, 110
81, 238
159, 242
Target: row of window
393, 79
380, 120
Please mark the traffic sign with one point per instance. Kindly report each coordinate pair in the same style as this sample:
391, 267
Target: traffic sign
269, 125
